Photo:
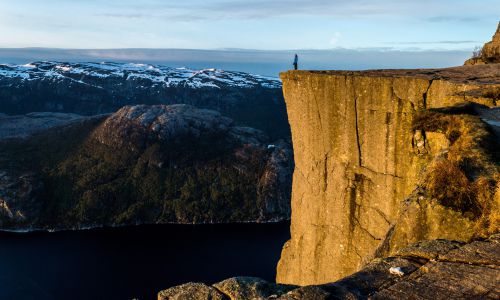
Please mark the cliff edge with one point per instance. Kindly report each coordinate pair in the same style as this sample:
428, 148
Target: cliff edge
386, 158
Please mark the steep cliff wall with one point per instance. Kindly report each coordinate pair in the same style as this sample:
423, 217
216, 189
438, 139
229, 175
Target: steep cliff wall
358, 156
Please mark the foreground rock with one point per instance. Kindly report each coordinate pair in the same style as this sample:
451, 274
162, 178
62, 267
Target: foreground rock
241, 288
192, 291
144, 164
437, 269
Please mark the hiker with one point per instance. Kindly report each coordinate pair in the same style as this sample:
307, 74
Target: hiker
296, 62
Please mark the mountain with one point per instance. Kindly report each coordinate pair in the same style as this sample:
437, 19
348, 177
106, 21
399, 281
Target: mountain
142, 164
96, 88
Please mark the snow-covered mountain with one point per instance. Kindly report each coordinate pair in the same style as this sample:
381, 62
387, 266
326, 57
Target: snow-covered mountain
88, 73
97, 88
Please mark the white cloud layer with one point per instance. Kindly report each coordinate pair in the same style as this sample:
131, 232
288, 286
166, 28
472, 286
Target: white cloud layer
256, 24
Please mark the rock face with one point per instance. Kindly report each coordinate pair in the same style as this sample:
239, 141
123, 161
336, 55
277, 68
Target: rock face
135, 126
97, 88
438, 269
490, 52
145, 164
359, 155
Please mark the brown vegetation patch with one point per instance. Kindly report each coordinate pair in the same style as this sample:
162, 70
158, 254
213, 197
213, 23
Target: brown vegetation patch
493, 93
466, 178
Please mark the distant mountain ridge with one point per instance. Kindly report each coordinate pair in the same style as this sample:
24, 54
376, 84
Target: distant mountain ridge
96, 88
83, 72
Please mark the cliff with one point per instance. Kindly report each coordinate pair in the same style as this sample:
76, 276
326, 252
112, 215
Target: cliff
490, 53
386, 158
141, 164
439, 269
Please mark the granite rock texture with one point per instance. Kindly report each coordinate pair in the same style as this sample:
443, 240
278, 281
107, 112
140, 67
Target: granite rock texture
191, 291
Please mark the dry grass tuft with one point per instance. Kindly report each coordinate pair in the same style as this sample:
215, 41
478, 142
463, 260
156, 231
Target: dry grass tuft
466, 178
488, 197
447, 183
493, 93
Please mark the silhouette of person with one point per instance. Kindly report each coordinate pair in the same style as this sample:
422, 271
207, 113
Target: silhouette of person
296, 62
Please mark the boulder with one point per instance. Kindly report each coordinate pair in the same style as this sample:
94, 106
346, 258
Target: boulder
243, 288
191, 291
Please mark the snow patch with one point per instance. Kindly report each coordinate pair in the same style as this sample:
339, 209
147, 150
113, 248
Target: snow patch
30, 66
64, 68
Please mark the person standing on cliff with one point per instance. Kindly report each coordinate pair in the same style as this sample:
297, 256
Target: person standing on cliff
296, 62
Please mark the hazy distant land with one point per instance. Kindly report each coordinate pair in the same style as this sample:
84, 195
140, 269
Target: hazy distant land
268, 63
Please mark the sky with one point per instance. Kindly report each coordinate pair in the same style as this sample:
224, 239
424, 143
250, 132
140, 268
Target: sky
415, 25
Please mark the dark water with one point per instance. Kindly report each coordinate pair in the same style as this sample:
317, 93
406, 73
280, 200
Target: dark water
134, 262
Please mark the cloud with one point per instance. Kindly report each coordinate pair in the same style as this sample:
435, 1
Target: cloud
273, 24
334, 40
459, 19
261, 9
457, 11
123, 15
437, 42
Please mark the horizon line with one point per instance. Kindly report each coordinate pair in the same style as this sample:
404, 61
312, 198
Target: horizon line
388, 49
